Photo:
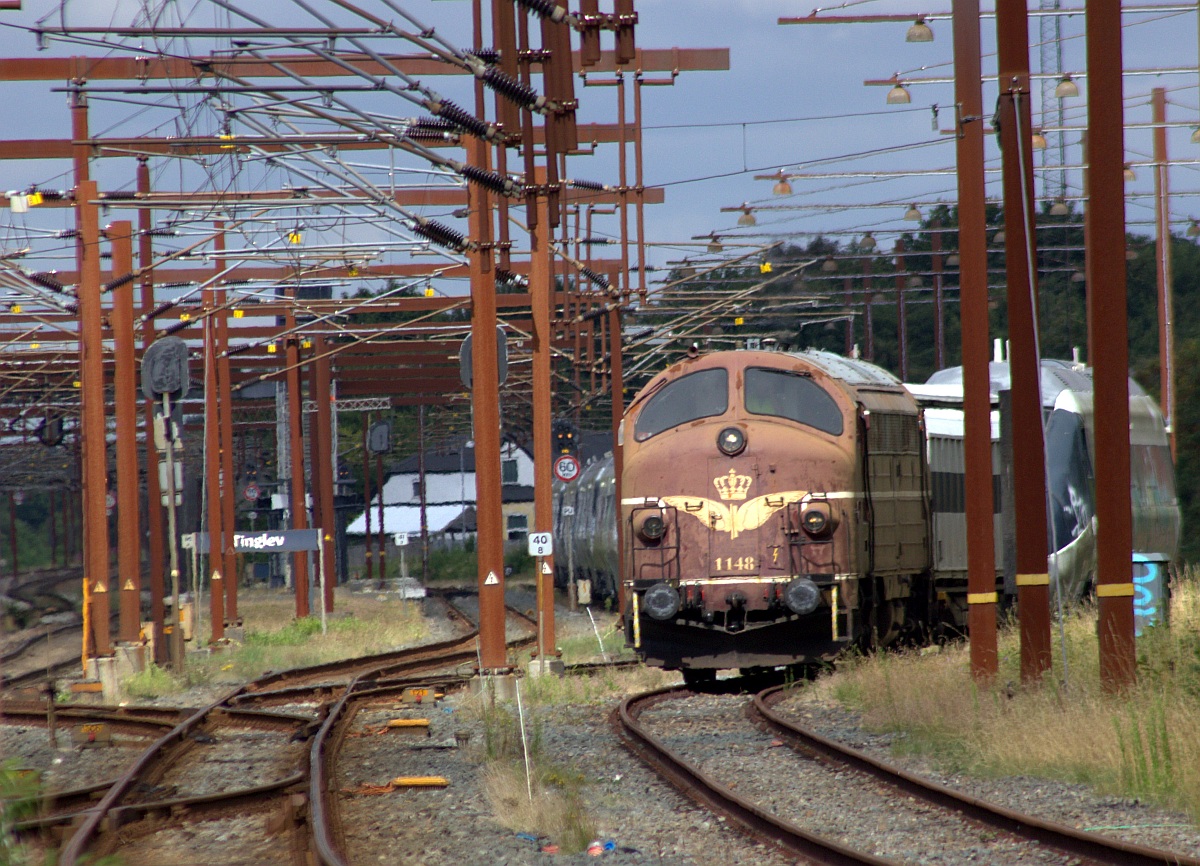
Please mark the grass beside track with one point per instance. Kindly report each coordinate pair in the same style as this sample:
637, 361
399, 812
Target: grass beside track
1144, 744
275, 640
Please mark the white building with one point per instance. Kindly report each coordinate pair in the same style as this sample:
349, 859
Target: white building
450, 494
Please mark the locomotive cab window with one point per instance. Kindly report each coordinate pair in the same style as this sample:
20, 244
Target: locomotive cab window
789, 395
699, 395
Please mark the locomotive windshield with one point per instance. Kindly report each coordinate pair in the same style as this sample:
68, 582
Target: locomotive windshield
699, 395
789, 395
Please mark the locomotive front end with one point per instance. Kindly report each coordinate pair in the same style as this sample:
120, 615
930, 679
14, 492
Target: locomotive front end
739, 514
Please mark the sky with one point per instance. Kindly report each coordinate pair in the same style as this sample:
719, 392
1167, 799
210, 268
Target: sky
793, 99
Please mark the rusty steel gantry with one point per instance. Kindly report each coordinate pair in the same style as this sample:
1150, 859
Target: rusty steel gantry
270, 125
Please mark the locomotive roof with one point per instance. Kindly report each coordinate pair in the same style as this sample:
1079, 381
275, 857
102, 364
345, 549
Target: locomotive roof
852, 371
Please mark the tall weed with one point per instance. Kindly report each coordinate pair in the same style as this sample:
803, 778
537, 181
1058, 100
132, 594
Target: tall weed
1144, 743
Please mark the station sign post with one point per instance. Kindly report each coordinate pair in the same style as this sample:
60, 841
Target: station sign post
541, 544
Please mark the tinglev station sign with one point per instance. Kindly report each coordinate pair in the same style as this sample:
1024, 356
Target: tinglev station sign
269, 541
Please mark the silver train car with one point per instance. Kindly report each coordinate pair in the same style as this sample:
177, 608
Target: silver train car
1066, 390
585, 531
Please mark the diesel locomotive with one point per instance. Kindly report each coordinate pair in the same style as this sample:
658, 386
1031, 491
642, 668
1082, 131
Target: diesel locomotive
776, 510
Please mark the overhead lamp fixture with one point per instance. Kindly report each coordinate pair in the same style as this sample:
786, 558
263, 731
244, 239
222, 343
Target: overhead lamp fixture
1059, 208
919, 32
1193, 229
782, 187
1078, 277
829, 265
1038, 140
1130, 174
867, 242
1196, 135
898, 95
952, 260
715, 245
747, 217
998, 237
1066, 88
913, 214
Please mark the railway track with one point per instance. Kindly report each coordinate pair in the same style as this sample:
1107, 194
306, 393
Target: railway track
284, 763
701, 743
41, 652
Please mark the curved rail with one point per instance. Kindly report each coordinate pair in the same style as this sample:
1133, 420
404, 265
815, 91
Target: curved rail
19, 648
328, 845
1091, 846
324, 835
82, 837
713, 795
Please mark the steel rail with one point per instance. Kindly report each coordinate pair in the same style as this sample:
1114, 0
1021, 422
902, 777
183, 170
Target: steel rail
327, 839
110, 814
92, 818
202, 807
1091, 846
24, 644
713, 795
391, 670
137, 718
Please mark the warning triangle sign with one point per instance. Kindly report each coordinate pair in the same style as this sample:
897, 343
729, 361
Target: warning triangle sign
545, 568
491, 579
100, 587
128, 585
229, 551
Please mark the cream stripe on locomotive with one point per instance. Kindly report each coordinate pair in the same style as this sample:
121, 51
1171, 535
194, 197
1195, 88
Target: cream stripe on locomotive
736, 519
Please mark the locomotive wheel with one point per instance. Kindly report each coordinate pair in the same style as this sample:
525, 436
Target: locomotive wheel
886, 623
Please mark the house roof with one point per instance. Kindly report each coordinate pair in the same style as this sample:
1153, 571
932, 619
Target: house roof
407, 518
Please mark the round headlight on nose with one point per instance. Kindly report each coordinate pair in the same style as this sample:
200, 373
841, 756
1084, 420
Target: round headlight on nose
650, 527
818, 520
661, 601
814, 522
731, 441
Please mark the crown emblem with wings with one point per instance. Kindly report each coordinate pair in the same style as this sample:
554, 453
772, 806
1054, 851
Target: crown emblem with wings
732, 518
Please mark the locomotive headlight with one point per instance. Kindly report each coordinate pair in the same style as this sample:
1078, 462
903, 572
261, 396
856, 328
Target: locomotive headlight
649, 526
661, 601
802, 596
731, 441
817, 519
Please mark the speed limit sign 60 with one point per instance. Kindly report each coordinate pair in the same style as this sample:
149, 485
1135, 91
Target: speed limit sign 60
566, 468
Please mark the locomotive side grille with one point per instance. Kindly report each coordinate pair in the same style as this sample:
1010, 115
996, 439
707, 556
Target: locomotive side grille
894, 434
895, 475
